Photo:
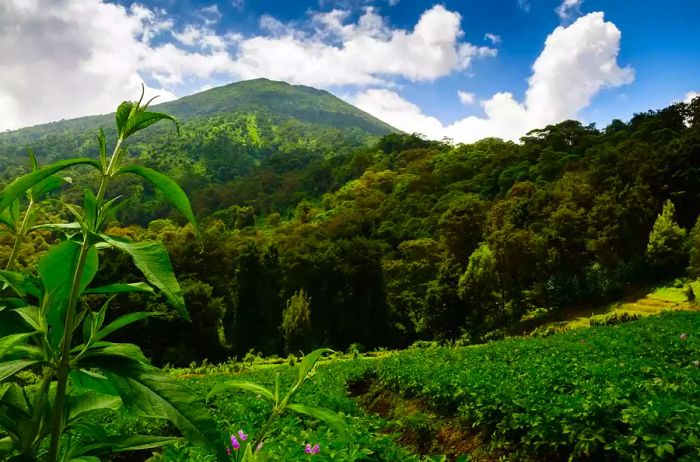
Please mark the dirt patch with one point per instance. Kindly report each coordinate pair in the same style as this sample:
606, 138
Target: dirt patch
418, 426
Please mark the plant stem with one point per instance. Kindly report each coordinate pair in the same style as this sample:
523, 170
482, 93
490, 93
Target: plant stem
19, 237
261, 434
38, 407
64, 359
64, 365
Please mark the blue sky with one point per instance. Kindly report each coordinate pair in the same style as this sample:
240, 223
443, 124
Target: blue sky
403, 60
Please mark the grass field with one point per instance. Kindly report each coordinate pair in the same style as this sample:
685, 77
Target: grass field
640, 302
622, 392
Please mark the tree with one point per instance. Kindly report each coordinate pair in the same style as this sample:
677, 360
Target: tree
694, 250
665, 248
480, 289
296, 322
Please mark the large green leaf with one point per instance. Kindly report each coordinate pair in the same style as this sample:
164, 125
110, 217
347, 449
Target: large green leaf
117, 443
83, 379
84, 403
122, 115
139, 120
46, 186
123, 321
32, 316
56, 270
310, 361
120, 288
327, 416
10, 368
241, 385
8, 342
171, 190
20, 185
153, 261
152, 393
21, 283
116, 351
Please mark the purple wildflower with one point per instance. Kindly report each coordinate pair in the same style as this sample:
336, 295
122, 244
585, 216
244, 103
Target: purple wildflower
234, 442
242, 435
312, 449
228, 451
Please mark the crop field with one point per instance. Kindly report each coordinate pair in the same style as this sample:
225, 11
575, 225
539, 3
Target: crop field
622, 392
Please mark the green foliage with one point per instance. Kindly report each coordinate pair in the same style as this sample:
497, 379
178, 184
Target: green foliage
292, 188
621, 392
296, 321
480, 289
45, 315
613, 318
665, 249
248, 450
694, 250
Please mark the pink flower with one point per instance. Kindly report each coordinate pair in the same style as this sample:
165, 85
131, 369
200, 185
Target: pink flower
242, 435
234, 442
312, 450
228, 451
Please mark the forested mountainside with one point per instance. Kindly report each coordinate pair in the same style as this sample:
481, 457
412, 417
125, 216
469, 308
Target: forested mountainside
242, 137
318, 232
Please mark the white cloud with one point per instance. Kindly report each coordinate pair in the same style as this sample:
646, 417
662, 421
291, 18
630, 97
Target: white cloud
466, 97
576, 63
690, 96
210, 14
360, 53
568, 9
238, 4
524, 5
396, 111
98, 53
66, 58
493, 38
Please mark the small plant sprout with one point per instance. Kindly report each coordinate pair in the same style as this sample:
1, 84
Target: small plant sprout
281, 404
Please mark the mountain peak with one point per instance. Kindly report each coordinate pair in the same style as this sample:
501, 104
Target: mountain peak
279, 98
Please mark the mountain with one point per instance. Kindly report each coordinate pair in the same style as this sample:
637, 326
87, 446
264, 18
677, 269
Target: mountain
257, 115
238, 143
262, 95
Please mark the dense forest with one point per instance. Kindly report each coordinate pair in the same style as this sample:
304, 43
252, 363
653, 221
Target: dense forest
324, 226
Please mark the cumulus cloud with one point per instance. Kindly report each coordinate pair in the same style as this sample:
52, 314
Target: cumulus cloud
466, 97
388, 106
67, 58
360, 53
576, 63
493, 38
569, 9
690, 96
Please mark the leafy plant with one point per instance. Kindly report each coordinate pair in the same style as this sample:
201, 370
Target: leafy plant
46, 327
246, 451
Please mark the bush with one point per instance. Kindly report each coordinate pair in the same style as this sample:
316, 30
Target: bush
613, 318
689, 294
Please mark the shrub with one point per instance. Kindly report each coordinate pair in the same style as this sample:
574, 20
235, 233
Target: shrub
613, 318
